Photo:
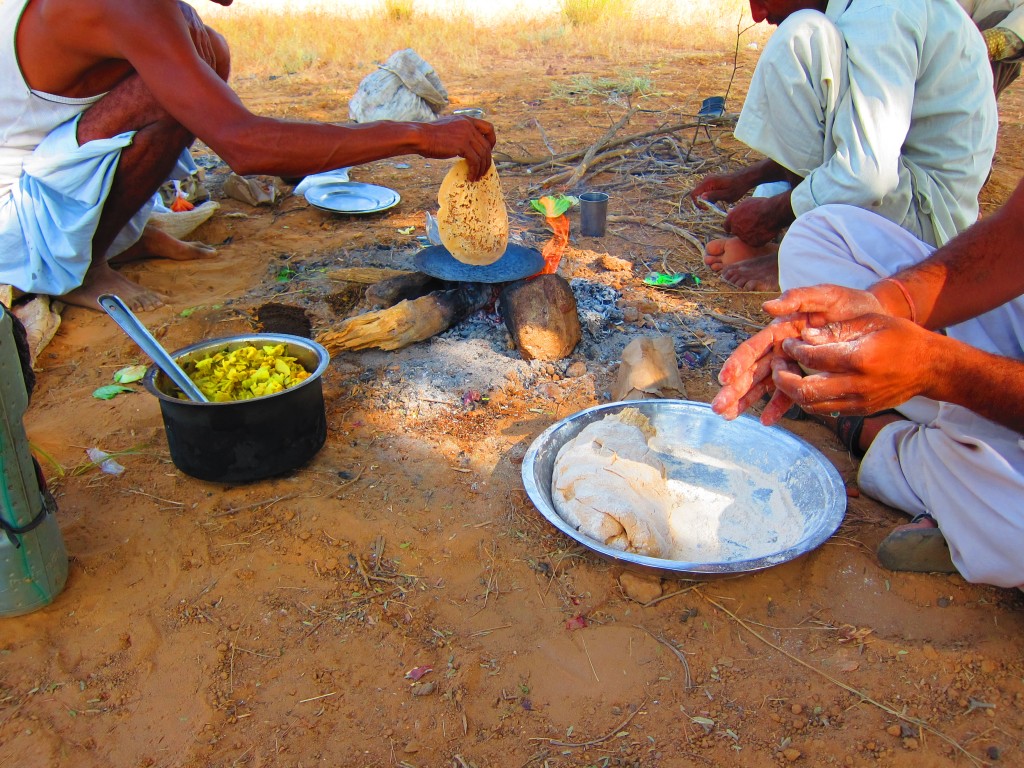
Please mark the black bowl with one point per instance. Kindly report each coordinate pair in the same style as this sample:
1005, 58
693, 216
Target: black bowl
242, 441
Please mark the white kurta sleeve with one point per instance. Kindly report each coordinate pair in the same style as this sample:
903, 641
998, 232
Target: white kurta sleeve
873, 116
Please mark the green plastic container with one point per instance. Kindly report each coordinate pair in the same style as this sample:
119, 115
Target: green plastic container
33, 560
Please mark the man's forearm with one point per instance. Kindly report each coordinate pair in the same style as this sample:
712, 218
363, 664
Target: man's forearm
975, 272
298, 149
987, 384
763, 172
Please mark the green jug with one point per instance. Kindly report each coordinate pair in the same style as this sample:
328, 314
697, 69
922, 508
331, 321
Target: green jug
33, 560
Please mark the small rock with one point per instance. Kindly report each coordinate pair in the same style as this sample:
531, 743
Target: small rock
797, 709
577, 369
643, 589
615, 264
550, 390
630, 314
791, 755
929, 652
894, 730
424, 689
411, 748
910, 743
517, 453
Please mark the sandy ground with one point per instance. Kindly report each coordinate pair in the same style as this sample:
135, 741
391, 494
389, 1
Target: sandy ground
277, 623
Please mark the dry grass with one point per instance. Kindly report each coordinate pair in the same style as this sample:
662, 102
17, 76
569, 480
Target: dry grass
271, 42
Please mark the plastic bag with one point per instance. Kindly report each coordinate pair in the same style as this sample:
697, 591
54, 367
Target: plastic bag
405, 88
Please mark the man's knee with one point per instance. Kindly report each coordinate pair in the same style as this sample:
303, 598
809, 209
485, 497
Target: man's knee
221, 52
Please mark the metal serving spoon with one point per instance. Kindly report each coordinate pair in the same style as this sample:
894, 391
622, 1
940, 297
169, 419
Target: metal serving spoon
138, 333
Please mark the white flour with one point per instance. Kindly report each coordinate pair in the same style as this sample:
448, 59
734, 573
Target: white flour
713, 527
720, 511
724, 512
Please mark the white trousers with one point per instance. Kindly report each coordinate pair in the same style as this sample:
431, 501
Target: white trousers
964, 470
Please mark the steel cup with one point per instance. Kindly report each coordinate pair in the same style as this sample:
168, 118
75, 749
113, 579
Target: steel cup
593, 213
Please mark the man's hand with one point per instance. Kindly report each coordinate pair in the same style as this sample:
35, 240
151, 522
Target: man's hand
759, 220
199, 32
748, 373
459, 136
859, 366
726, 187
824, 303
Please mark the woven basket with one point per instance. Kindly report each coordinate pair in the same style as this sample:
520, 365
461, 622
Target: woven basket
181, 224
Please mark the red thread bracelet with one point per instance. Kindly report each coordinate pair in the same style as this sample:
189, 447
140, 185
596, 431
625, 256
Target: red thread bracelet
906, 295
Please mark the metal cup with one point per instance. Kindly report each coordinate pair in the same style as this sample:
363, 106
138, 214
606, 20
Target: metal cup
593, 213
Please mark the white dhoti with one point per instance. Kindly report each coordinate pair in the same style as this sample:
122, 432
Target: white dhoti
48, 220
964, 470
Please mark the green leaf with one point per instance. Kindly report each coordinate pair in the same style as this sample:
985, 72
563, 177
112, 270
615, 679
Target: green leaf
110, 391
559, 203
130, 374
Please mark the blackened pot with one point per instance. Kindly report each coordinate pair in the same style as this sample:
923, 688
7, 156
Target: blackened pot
245, 440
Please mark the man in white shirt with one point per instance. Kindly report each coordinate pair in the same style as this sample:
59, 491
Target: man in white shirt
873, 103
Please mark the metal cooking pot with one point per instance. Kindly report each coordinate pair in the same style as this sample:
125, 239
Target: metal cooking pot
245, 440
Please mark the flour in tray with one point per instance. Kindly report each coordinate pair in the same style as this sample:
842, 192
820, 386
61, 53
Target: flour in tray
723, 512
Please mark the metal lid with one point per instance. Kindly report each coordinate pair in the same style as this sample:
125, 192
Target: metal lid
516, 263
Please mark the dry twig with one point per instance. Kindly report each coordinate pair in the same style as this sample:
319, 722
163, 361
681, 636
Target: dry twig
924, 726
594, 742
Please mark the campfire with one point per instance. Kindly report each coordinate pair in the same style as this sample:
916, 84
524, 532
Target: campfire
539, 310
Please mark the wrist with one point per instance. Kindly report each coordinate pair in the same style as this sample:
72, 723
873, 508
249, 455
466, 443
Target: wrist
895, 299
784, 214
755, 174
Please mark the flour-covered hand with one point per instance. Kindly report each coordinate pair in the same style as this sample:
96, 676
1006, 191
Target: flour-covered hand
858, 366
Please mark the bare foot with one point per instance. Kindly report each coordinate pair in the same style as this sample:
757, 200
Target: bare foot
155, 243
101, 279
760, 273
727, 251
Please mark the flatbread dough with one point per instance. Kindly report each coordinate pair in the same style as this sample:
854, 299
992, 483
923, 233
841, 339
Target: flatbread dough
472, 220
609, 485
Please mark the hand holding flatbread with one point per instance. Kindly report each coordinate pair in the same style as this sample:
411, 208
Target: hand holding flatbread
472, 220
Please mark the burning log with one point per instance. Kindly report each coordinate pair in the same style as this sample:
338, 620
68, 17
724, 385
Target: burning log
409, 285
408, 321
542, 317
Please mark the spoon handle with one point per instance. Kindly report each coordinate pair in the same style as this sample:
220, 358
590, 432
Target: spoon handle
138, 333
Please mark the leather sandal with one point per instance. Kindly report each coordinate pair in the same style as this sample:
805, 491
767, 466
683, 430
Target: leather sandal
916, 549
848, 429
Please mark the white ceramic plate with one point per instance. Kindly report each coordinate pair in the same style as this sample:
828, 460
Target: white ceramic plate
352, 197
